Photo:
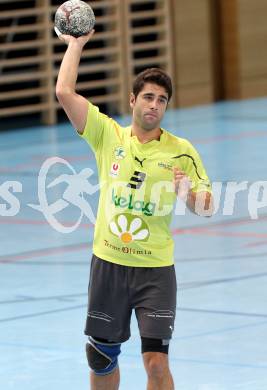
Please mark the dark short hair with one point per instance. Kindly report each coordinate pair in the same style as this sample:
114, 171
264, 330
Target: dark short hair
153, 76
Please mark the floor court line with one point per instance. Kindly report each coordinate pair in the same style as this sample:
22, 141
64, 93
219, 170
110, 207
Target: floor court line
39, 299
177, 338
42, 313
37, 164
53, 263
209, 232
45, 252
210, 225
229, 137
241, 256
220, 312
137, 356
181, 287
203, 230
65, 298
20, 145
222, 330
189, 285
9, 259
43, 222
223, 223
257, 243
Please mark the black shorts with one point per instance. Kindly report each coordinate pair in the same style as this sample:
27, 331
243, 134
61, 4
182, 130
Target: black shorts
115, 290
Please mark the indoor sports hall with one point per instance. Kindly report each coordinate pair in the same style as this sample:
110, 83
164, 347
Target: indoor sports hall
219, 105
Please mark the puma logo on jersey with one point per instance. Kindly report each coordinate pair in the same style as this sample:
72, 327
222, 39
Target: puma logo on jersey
140, 161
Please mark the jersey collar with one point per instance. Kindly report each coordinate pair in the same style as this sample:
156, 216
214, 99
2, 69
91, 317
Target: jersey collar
149, 144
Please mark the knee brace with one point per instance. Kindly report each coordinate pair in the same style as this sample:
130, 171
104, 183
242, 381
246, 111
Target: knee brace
102, 356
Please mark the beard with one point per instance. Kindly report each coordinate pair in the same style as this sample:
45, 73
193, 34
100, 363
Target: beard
149, 123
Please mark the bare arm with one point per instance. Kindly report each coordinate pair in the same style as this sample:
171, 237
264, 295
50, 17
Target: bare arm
200, 203
75, 105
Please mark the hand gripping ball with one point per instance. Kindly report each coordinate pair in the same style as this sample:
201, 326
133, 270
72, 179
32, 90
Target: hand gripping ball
74, 18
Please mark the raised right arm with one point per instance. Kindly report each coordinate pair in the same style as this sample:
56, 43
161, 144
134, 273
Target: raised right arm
74, 105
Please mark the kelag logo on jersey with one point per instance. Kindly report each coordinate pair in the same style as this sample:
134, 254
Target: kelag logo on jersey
147, 208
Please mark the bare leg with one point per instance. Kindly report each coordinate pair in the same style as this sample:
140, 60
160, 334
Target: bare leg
105, 382
158, 372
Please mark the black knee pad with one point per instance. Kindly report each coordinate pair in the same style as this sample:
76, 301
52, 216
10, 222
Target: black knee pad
155, 345
102, 356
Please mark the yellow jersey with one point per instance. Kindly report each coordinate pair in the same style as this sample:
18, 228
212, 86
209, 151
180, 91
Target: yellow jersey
136, 191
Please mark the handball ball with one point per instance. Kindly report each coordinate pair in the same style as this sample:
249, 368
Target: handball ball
74, 18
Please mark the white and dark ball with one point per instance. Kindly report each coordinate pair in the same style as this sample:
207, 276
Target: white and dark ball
74, 18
